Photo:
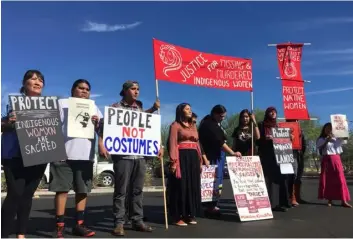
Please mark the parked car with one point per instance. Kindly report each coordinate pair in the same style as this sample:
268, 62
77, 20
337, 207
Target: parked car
103, 170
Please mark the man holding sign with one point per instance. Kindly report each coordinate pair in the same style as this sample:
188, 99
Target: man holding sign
129, 135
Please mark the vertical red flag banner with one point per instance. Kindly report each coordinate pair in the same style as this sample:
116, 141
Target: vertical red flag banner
294, 102
295, 127
185, 66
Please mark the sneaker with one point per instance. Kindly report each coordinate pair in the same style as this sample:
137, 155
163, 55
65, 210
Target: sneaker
60, 229
141, 227
180, 223
191, 221
82, 231
119, 230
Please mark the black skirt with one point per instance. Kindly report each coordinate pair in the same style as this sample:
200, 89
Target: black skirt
185, 193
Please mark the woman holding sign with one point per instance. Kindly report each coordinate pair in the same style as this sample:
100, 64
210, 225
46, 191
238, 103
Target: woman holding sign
186, 162
75, 172
333, 185
214, 142
275, 181
21, 181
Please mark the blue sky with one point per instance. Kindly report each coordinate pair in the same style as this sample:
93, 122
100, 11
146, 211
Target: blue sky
110, 42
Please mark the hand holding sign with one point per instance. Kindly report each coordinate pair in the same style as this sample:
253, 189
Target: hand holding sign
95, 120
237, 154
160, 153
12, 117
157, 104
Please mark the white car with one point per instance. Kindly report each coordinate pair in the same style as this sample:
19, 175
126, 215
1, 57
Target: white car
103, 170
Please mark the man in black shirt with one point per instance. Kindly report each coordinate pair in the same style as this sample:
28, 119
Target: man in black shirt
213, 140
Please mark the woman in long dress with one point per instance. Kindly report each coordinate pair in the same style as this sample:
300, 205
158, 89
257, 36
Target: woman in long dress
184, 183
333, 185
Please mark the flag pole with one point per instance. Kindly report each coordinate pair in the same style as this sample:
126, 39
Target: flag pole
162, 161
305, 81
305, 44
252, 123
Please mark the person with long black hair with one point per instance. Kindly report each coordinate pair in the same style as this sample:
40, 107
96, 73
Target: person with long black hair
75, 172
213, 140
275, 181
21, 181
333, 184
185, 155
242, 134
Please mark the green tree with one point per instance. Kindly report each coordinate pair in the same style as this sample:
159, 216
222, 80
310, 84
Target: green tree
347, 156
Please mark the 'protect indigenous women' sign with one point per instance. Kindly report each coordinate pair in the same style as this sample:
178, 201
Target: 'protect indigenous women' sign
39, 129
185, 66
249, 188
128, 132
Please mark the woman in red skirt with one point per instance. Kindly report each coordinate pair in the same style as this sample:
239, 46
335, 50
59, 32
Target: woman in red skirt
333, 185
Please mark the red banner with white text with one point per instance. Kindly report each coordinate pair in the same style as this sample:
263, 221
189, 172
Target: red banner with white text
289, 57
296, 131
185, 66
294, 101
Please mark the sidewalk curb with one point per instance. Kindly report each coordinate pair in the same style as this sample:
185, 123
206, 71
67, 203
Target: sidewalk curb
95, 191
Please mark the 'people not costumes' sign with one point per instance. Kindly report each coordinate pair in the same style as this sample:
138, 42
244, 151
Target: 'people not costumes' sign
128, 132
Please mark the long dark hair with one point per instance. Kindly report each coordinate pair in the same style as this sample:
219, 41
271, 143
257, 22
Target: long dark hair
323, 134
242, 113
179, 117
77, 82
28, 75
179, 113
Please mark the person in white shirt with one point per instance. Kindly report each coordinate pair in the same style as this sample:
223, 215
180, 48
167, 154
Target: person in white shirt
75, 172
333, 184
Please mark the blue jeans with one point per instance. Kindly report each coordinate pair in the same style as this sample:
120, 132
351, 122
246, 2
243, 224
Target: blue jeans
220, 162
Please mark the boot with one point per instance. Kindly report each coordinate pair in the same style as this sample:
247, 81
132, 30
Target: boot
298, 198
293, 198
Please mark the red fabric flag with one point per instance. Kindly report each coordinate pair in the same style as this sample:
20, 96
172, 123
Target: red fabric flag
289, 57
295, 127
185, 66
294, 101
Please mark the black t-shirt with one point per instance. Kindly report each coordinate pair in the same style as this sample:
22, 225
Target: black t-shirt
242, 138
212, 137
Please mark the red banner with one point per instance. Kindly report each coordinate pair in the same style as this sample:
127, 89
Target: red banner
184, 66
289, 57
295, 127
294, 101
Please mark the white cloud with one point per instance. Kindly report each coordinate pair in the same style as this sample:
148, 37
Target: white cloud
321, 22
103, 27
331, 73
320, 92
95, 95
332, 52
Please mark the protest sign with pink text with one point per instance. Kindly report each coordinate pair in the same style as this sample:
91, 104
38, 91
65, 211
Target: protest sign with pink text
249, 188
340, 126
